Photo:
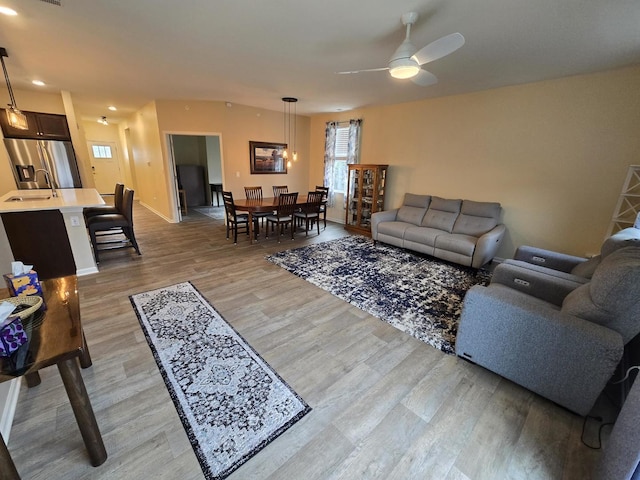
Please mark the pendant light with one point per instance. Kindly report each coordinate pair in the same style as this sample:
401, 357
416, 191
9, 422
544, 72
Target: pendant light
15, 117
286, 113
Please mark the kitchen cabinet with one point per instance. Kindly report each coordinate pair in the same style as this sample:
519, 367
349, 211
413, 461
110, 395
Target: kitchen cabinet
365, 191
45, 126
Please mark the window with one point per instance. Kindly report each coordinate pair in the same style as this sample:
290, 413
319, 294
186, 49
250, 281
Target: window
340, 169
101, 151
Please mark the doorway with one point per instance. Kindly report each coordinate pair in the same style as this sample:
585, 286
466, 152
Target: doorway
105, 166
196, 162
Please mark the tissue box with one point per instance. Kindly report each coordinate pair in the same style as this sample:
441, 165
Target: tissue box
12, 336
23, 284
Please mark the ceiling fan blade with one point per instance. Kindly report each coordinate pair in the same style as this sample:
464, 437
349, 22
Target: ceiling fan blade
424, 78
439, 48
366, 70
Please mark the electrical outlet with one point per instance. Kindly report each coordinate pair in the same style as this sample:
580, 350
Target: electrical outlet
75, 221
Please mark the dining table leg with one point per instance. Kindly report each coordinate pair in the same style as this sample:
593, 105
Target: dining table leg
250, 228
8, 469
81, 405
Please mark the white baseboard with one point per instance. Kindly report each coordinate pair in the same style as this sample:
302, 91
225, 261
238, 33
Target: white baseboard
86, 271
8, 402
158, 213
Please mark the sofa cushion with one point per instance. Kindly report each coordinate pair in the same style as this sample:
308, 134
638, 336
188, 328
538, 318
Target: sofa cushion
442, 214
393, 229
413, 208
586, 269
477, 218
423, 235
457, 243
613, 292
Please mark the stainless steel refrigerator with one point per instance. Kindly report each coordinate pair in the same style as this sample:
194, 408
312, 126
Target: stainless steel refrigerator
57, 157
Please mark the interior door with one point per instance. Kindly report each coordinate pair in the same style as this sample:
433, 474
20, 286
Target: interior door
105, 166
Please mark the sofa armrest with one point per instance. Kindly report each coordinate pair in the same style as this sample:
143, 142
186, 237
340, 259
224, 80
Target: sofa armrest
548, 287
547, 258
487, 246
384, 216
561, 357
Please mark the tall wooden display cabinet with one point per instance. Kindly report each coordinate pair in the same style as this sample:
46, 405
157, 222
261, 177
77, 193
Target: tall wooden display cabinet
365, 195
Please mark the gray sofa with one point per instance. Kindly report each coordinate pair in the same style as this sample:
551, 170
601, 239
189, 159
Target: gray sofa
565, 349
460, 231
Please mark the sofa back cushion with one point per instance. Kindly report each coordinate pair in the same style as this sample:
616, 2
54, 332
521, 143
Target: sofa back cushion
629, 237
442, 214
612, 297
413, 208
477, 218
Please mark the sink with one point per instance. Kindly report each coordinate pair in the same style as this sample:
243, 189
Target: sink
28, 198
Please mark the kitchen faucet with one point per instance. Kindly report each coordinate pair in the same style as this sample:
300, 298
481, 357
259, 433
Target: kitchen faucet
47, 177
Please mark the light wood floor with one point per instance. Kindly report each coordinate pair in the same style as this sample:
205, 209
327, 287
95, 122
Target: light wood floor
385, 406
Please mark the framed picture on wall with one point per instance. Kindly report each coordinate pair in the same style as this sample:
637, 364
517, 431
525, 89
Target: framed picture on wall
267, 157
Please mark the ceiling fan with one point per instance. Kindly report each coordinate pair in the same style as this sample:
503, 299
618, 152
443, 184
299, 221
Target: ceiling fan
407, 59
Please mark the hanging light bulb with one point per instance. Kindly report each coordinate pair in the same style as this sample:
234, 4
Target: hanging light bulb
286, 113
15, 117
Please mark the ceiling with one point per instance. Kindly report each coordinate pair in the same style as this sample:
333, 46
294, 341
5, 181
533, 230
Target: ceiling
129, 52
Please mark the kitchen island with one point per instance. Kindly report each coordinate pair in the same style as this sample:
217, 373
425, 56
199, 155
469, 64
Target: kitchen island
49, 232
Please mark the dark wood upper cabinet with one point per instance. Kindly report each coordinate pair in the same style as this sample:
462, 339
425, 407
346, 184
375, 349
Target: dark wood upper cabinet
46, 126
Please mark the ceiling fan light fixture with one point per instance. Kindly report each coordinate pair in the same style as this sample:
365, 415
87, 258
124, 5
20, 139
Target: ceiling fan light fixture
403, 68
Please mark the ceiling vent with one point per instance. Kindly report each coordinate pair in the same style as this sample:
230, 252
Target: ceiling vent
52, 2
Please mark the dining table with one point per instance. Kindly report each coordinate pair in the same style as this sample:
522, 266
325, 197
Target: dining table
258, 205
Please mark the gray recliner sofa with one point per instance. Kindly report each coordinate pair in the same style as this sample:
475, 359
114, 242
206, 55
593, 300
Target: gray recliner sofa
460, 231
531, 268
565, 349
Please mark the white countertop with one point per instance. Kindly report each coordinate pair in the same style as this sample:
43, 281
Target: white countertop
67, 199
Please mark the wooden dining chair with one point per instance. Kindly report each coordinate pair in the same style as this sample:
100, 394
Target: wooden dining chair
278, 189
255, 193
284, 214
310, 211
323, 206
235, 220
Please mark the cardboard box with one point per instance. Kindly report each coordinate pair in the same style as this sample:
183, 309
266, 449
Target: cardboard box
23, 284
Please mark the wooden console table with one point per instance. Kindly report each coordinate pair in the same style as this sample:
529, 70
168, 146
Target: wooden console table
58, 340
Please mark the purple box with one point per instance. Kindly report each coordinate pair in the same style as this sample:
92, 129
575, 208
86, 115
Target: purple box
12, 336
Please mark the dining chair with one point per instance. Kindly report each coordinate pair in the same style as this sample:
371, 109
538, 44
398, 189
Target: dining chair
278, 189
255, 193
120, 223
323, 206
284, 214
89, 212
310, 211
235, 220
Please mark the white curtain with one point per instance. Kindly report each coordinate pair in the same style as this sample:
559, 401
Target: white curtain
330, 159
353, 152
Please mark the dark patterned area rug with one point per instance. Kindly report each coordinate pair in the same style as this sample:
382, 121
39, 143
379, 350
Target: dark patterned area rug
419, 295
230, 401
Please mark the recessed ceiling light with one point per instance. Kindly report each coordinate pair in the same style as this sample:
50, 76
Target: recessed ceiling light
112, 108
8, 11
40, 83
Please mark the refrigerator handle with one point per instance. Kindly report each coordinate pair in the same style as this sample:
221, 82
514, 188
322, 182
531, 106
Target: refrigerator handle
46, 159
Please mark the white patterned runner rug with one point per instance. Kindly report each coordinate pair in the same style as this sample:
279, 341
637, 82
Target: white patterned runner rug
417, 294
230, 401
